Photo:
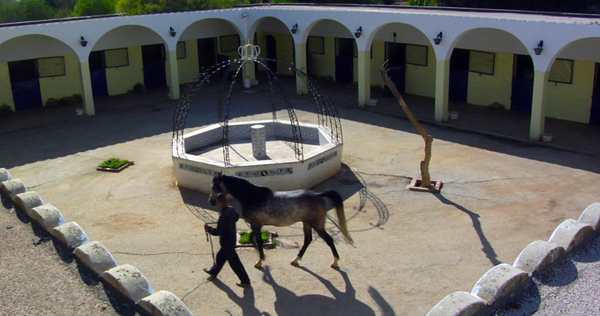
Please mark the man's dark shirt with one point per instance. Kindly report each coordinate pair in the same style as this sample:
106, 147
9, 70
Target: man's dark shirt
226, 227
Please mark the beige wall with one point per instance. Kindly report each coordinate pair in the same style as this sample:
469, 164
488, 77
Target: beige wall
5, 87
62, 86
487, 89
377, 59
187, 67
120, 80
322, 67
572, 102
420, 80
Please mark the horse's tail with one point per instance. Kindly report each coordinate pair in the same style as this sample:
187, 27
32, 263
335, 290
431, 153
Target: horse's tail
338, 203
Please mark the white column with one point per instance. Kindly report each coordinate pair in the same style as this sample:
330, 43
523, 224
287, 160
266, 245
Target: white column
87, 94
301, 64
364, 78
442, 84
259, 141
173, 75
248, 69
538, 115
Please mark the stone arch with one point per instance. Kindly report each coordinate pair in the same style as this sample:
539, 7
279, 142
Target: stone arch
21, 47
587, 48
488, 39
210, 27
127, 35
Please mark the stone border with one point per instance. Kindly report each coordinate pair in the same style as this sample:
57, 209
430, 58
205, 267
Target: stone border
503, 281
126, 279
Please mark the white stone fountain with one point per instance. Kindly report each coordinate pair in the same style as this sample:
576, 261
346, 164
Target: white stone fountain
265, 152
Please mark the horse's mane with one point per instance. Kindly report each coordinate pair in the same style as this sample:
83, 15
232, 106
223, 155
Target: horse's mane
246, 192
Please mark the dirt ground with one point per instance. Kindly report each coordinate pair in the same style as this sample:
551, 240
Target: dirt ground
411, 249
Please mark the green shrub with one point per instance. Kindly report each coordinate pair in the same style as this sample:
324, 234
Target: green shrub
52, 102
138, 88
5, 110
64, 101
113, 163
77, 98
245, 237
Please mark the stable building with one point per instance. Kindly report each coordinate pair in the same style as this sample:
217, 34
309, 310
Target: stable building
541, 64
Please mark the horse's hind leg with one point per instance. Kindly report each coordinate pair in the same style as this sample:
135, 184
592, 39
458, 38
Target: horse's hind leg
307, 240
256, 231
323, 234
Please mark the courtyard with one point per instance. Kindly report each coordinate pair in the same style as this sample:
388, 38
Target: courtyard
410, 249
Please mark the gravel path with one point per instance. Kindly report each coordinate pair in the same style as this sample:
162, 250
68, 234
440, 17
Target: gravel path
570, 288
34, 280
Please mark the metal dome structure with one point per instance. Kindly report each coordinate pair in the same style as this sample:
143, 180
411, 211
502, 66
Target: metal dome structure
328, 131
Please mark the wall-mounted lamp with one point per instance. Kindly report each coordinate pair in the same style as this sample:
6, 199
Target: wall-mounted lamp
358, 32
538, 50
294, 28
172, 31
83, 42
394, 36
438, 39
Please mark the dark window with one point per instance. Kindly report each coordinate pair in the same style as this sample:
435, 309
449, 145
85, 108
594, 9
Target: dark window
482, 62
416, 55
561, 71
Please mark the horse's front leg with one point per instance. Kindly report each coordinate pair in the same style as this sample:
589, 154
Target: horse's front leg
256, 231
307, 240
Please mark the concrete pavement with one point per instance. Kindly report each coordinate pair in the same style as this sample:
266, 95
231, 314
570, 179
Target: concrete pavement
411, 249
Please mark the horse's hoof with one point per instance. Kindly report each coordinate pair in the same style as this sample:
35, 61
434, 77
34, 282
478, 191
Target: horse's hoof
295, 263
335, 265
258, 265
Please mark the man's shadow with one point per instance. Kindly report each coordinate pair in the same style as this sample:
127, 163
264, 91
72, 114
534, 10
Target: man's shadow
246, 302
342, 303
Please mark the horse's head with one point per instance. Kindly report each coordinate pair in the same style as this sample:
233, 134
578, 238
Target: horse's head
217, 187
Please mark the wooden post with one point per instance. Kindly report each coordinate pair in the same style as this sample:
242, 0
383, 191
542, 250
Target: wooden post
425, 177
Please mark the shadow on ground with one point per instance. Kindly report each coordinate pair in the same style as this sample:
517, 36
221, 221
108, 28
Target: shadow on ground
342, 303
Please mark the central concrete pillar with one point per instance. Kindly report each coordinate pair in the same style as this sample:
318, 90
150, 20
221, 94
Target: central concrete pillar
300, 61
538, 115
442, 84
173, 75
364, 78
259, 141
87, 94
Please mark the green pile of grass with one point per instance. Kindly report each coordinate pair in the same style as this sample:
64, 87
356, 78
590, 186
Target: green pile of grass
245, 237
113, 163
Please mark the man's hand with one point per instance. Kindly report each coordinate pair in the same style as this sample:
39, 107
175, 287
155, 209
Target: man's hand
206, 227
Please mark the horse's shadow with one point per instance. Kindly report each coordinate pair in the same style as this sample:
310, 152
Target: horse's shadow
342, 303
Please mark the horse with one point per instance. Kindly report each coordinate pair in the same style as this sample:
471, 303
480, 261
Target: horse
263, 206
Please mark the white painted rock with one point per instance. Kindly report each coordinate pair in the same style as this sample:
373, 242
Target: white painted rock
129, 281
537, 256
164, 303
95, 256
70, 235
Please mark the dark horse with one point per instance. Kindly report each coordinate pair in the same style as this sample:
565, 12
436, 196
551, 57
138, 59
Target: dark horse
261, 206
